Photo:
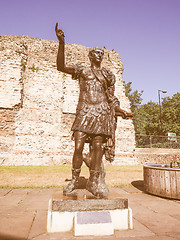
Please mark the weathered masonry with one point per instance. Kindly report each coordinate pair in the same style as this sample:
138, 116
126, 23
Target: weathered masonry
38, 103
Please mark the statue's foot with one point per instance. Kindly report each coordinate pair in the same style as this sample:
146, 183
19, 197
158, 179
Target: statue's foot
103, 189
70, 187
96, 185
98, 190
92, 188
73, 183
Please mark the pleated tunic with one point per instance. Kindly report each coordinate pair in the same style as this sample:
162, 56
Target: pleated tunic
94, 113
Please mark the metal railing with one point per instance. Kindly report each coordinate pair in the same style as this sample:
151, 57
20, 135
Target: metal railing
153, 141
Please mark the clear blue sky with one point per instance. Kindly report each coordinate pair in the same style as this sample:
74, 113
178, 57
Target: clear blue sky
146, 34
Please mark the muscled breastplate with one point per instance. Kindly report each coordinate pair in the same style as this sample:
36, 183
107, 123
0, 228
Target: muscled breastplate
92, 87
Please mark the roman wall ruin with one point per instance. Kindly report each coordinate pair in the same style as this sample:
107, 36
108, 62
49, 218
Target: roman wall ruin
38, 103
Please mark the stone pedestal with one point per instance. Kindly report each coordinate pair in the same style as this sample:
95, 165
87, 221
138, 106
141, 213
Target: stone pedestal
86, 215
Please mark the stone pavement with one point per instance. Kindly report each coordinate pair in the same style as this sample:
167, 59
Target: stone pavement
23, 215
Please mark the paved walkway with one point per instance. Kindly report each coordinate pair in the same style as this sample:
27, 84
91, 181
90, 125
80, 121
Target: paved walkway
23, 215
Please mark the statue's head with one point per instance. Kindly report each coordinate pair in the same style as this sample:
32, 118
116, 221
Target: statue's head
96, 54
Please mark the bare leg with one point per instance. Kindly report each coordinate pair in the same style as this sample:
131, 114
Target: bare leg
80, 139
96, 183
97, 153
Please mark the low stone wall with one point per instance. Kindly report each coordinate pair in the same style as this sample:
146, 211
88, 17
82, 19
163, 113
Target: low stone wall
155, 155
38, 103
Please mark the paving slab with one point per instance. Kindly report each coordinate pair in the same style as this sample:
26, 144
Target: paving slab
37, 199
177, 216
121, 191
23, 215
4, 192
10, 237
132, 190
13, 198
161, 206
139, 230
16, 224
39, 225
157, 222
162, 237
156, 204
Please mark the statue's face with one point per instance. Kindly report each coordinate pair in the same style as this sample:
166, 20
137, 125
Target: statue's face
96, 56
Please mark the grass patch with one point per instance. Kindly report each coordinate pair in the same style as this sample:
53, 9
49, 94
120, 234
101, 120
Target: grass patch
129, 168
34, 169
55, 176
30, 187
64, 168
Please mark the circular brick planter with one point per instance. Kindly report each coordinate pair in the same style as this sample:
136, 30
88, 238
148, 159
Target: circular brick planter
161, 180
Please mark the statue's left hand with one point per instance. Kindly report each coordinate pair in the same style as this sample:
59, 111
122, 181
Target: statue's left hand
128, 115
122, 113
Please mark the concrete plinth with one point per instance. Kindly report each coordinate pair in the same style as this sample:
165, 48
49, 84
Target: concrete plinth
88, 216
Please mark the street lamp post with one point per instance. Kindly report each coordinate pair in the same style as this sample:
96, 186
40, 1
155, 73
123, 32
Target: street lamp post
159, 95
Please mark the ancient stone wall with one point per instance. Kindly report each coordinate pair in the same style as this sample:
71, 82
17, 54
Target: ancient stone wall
155, 155
38, 103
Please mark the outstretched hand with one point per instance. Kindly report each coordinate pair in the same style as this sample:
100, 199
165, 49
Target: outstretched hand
122, 113
59, 33
128, 115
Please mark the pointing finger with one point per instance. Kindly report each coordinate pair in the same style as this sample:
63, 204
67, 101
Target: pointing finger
56, 27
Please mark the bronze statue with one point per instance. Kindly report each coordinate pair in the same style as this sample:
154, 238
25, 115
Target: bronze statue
95, 120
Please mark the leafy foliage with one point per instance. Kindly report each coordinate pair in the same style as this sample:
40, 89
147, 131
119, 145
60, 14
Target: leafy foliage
146, 117
134, 96
171, 114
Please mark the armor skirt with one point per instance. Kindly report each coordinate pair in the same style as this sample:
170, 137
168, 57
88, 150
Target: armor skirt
94, 119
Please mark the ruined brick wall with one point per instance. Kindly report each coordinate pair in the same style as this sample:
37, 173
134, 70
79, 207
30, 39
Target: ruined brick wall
37, 103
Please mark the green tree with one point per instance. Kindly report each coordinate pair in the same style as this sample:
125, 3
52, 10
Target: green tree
146, 117
151, 110
171, 114
134, 96
135, 103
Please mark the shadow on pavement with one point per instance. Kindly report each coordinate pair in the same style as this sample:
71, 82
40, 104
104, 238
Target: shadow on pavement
10, 237
139, 184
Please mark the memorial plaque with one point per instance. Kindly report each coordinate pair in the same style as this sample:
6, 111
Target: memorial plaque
93, 217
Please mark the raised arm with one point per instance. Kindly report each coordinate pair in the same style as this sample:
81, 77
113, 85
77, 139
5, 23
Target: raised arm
61, 66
